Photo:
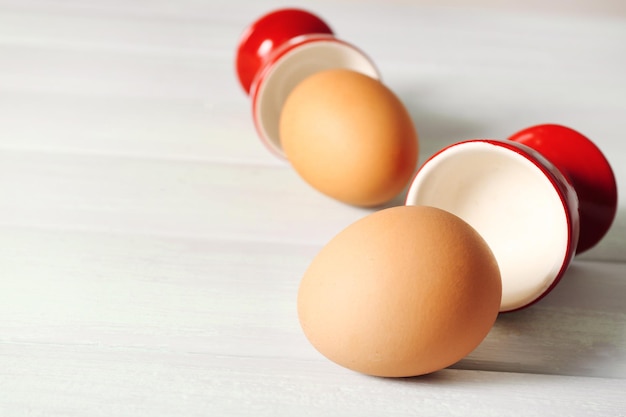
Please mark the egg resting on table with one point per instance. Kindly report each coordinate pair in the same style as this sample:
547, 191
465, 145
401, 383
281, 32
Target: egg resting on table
402, 292
349, 136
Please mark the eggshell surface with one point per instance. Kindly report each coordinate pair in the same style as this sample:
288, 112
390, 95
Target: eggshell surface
349, 136
404, 291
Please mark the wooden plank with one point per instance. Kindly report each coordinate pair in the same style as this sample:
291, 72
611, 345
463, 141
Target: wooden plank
182, 197
74, 380
145, 127
235, 297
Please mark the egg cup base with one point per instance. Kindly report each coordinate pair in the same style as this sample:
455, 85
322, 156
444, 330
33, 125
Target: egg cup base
586, 168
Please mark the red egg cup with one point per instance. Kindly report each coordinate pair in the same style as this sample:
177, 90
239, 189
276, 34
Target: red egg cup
538, 199
280, 50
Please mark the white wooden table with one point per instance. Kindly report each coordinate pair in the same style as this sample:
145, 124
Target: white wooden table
151, 248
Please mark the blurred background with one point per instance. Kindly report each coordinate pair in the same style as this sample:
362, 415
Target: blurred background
586, 7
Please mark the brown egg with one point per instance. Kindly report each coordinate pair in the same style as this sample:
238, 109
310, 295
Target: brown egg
401, 292
349, 136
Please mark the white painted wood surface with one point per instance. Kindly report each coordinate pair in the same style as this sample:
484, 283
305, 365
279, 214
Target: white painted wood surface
151, 248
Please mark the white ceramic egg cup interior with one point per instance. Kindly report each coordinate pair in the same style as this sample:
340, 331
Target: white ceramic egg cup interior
312, 54
512, 203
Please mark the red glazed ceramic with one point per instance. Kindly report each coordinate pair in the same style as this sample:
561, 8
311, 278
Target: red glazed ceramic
280, 50
586, 168
264, 36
